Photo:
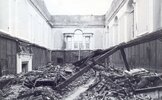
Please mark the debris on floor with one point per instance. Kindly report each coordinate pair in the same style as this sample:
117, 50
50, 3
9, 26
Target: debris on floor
116, 84
110, 84
80, 89
36, 84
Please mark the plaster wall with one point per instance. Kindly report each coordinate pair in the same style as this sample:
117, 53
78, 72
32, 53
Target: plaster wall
21, 19
86, 23
4, 15
98, 36
142, 19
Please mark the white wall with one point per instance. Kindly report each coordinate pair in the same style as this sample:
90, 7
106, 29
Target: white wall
4, 15
157, 14
98, 36
145, 18
25, 22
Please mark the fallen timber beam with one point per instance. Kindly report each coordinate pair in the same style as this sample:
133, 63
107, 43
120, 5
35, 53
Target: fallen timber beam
107, 54
146, 90
89, 66
92, 55
124, 59
83, 61
68, 81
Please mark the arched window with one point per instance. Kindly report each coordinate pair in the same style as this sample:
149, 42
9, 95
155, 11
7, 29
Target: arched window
115, 31
130, 16
78, 40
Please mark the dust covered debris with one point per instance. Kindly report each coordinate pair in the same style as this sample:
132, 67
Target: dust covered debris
110, 84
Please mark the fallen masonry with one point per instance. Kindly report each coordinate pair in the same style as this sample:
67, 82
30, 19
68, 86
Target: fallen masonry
115, 84
110, 84
40, 84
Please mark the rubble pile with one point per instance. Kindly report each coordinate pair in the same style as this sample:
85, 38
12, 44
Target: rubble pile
78, 82
38, 84
117, 84
110, 83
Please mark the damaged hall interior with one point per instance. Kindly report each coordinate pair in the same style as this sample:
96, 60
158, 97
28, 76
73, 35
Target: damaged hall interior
112, 56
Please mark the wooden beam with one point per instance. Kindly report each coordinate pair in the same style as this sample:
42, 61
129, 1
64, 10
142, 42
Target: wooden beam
144, 38
68, 81
146, 90
124, 59
88, 67
107, 54
91, 56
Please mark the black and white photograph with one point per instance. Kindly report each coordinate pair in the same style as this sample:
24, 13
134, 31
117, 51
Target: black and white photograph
80, 49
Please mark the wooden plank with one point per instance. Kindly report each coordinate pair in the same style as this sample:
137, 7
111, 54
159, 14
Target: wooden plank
13, 57
141, 55
136, 57
132, 57
129, 57
0, 59
120, 58
3, 49
127, 53
159, 56
125, 59
146, 90
146, 55
9, 47
0, 47
153, 56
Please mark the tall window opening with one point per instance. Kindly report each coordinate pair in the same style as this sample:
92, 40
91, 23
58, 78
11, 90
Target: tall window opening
69, 42
87, 42
78, 40
130, 10
115, 35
